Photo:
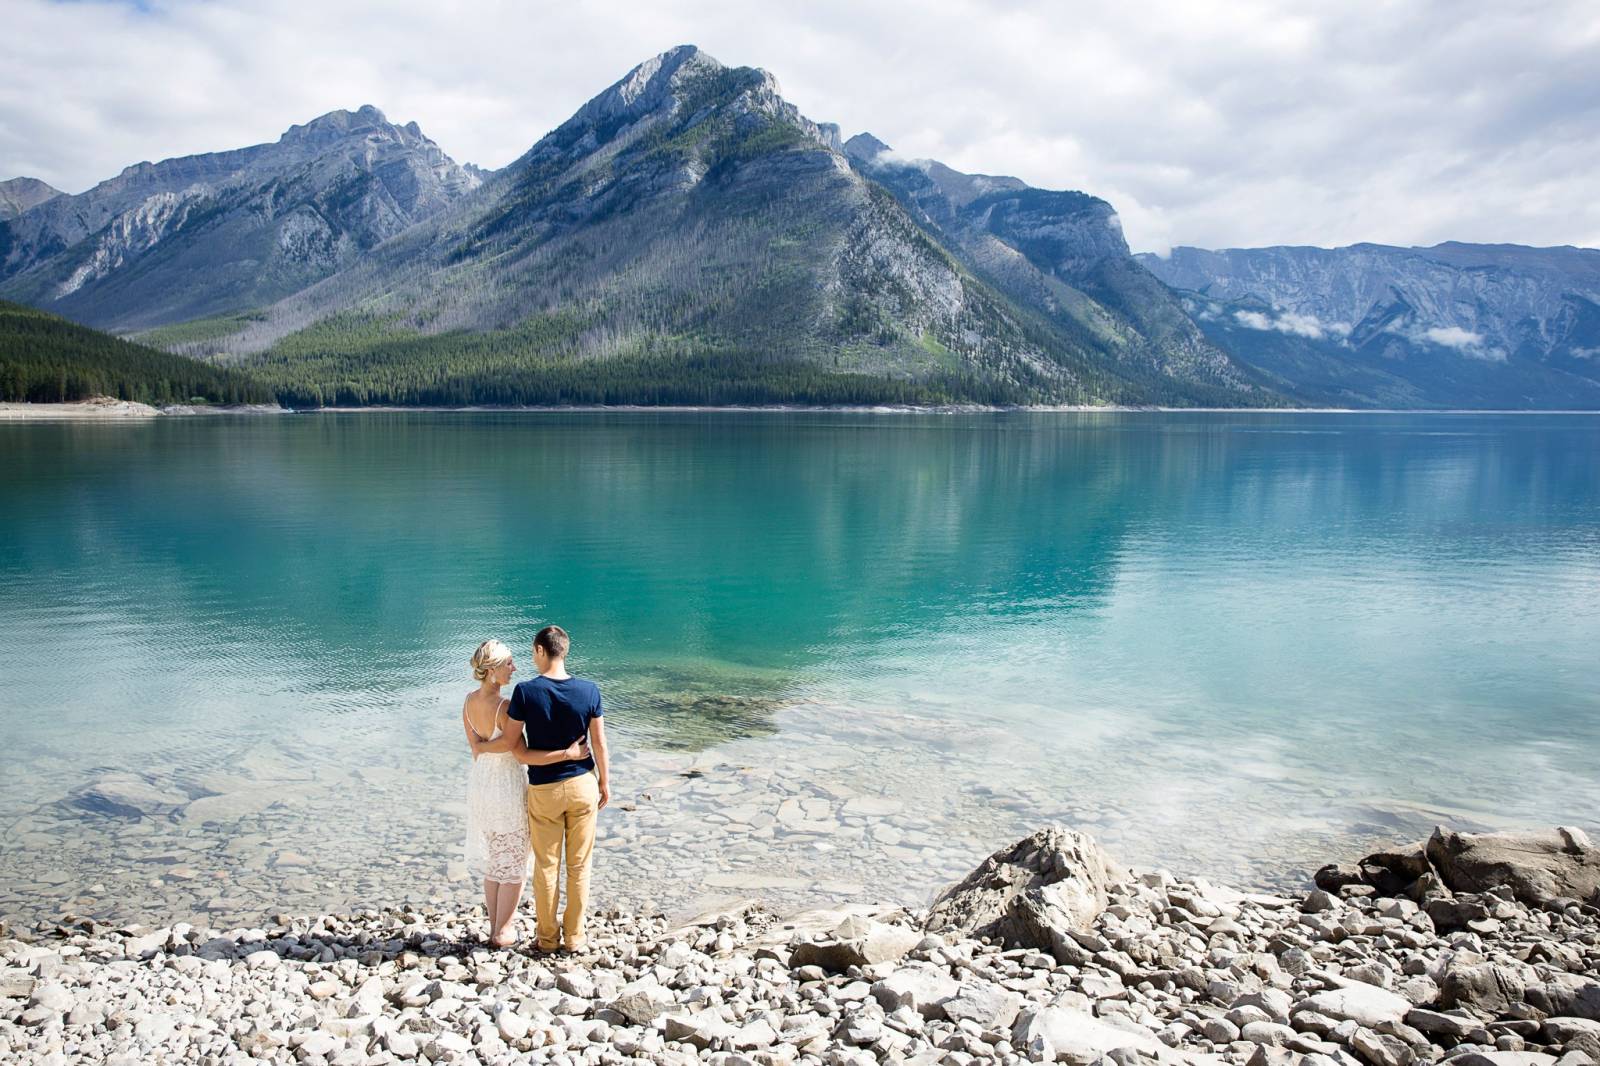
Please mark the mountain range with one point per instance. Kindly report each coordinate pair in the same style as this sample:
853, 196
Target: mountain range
1466, 325
689, 236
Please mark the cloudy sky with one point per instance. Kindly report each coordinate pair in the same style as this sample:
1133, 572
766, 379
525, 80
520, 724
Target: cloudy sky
1237, 123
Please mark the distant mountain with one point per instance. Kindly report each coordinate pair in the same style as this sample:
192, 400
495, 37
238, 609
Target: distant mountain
1062, 254
690, 233
1452, 325
228, 231
46, 359
21, 194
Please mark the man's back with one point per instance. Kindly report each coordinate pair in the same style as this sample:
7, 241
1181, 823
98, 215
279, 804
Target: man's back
554, 713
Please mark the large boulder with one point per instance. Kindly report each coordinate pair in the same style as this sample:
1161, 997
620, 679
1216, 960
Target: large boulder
855, 941
988, 1005
1034, 894
924, 988
1567, 994
1078, 1037
1537, 866
1487, 989
1363, 1004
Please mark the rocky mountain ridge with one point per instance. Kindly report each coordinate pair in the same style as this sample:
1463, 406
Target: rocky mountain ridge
230, 230
1062, 254
1476, 325
689, 212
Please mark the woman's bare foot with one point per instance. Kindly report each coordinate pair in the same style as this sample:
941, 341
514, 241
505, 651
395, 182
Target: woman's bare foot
505, 938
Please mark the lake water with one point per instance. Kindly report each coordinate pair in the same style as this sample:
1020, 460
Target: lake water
843, 654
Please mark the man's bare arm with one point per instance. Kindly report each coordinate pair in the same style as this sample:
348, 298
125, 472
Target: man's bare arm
602, 757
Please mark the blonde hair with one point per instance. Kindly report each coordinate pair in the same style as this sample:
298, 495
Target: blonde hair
490, 654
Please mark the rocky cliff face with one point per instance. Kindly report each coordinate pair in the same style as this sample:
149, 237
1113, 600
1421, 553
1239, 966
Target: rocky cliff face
22, 194
1479, 325
227, 231
1063, 255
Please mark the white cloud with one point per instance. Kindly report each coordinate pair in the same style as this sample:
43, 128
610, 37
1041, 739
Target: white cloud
1453, 337
1300, 325
1456, 338
1234, 123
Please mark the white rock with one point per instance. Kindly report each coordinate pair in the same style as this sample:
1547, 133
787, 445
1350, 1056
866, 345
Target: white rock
701, 1030
369, 997
757, 1034
1364, 1004
51, 995
402, 1045
1503, 1058
922, 988
1078, 1037
345, 1028
989, 1006
512, 1026
319, 1043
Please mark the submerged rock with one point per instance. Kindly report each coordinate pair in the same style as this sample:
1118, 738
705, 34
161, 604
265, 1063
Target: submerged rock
127, 796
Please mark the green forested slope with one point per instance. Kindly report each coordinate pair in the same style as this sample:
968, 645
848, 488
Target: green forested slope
46, 359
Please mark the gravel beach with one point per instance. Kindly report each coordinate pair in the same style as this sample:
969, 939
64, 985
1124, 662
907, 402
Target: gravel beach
1047, 952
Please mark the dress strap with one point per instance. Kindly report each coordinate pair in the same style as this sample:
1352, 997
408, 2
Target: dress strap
497, 710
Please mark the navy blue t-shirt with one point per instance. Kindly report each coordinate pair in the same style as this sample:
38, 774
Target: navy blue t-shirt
554, 714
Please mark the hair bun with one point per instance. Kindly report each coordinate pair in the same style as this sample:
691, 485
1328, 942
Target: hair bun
490, 654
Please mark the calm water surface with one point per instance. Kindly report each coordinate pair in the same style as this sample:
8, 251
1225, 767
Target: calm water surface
841, 653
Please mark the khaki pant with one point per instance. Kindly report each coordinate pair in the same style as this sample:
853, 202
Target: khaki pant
557, 812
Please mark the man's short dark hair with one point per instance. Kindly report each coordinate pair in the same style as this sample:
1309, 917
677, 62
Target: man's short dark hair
554, 641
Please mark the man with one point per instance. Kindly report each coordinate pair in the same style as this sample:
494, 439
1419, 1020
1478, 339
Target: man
563, 797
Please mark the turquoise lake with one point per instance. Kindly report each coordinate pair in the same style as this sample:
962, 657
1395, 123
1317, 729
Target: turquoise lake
842, 653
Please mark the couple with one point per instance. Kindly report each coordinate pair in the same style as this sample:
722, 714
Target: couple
539, 777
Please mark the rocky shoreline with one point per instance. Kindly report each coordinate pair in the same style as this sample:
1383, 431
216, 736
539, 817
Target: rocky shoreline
106, 408
1476, 949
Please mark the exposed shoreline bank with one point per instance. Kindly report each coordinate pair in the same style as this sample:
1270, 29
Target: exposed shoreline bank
104, 409
1047, 952
126, 410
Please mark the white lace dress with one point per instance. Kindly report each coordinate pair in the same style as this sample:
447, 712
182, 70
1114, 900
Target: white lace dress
498, 848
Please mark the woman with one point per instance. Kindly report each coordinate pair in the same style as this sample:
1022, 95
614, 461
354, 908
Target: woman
498, 848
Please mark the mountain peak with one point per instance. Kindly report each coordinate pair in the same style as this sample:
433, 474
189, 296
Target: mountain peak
336, 124
650, 85
19, 194
864, 147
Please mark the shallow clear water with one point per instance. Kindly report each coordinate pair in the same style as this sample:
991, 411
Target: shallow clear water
1232, 644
